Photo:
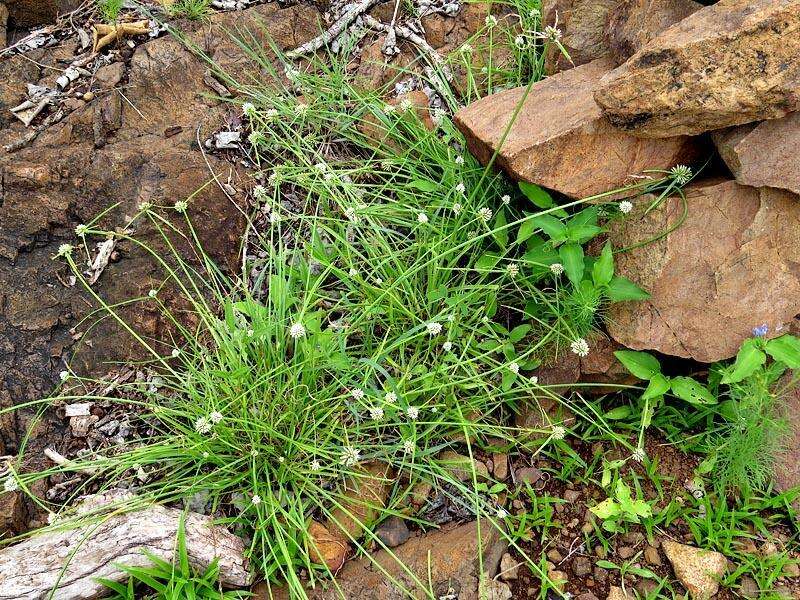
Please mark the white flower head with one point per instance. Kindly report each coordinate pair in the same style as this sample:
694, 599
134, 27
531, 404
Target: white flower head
315, 465
389, 108
64, 375
460, 187
249, 110
81, 230
434, 328
350, 456
357, 394
558, 432
506, 199
512, 269
176, 352
459, 160
490, 21
513, 367
406, 104
181, 206
682, 174
556, 268
625, 207
485, 213
447, 346
256, 138
271, 113
422, 218
11, 484
466, 49
502, 513
202, 425
457, 208
351, 214
552, 33
580, 347
65, 249
297, 330
639, 454
152, 293
256, 499
534, 379
412, 412
254, 453
215, 417
408, 447
301, 109
519, 41
376, 413
145, 206
352, 272
390, 397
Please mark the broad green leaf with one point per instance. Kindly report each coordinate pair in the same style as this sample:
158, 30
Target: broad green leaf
487, 261
786, 350
581, 234
606, 564
617, 413
658, 386
518, 333
526, 230
588, 216
603, 268
749, 358
690, 390
537, 195
606, 509
552, 227
622, 492
572, 259
641, 364
500, 231
424, 185
621, 289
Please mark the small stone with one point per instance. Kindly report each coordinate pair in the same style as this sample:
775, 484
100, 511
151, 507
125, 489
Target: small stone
462, 467
393, 532
554, 555
699, 571
652, 556
587, 596
509, 568
571, 496
559, 579
581, 566
500, 466
625, 552
109, 76
600, 551
749, 588
497, 590
78, 409
528, 475
617, 593
326, 548
791, 570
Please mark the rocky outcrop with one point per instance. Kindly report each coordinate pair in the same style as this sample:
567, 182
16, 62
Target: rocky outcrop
447, 560
764, 154
633, 23
731, 63
583, 25
699, 571
560, 139
30, 13
111, 150
729, 267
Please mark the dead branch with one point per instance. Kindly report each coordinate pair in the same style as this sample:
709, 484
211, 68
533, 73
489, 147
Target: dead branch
348, 16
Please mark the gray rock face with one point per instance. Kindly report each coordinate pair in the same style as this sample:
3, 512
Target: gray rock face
729, 267
763, 154
560, 139
731, 63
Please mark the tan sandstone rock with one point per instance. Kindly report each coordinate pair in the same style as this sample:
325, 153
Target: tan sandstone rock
727, 64
633, 23
583, 25
560, 139
698, 570
764, 154
729, 267
617, 593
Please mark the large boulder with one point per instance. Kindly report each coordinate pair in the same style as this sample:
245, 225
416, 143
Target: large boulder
29, 13
729, 267
560, 139
633, 23
583, 26
764, 154
731, 63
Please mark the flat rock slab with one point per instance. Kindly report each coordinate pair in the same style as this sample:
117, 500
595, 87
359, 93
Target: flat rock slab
699, 571
731, 266
583, 26
633, 23
764, 154
69, 561
731, 63
560, 139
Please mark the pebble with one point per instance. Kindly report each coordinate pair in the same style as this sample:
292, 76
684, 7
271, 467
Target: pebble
600, 551
625, 552
581, 566
500, 466
571, 495
554, 555
587, 596
528, 475
791, 570
509, 568
393, 532
88, 96
652, 556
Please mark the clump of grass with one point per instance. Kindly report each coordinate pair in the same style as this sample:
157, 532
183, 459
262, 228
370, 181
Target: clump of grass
190, 9
110, 9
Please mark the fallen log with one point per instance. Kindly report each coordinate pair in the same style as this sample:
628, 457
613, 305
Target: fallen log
67, 562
